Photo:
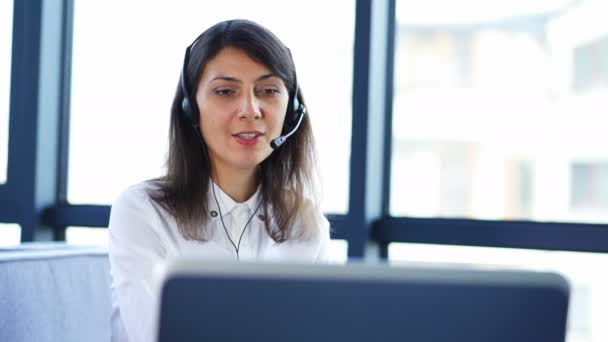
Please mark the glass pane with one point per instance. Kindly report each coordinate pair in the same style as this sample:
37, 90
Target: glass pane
589, 289
124, 77
87, 236
499, 110
6, 41
10, 234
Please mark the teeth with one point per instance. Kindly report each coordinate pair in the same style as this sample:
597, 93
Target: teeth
247, 136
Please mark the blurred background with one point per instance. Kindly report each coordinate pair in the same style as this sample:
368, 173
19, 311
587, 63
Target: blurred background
495, 116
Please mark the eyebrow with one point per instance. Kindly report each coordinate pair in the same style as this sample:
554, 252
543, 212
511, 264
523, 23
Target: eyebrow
234, 79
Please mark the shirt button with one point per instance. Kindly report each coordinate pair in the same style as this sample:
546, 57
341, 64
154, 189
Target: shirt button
261, 217
213, 213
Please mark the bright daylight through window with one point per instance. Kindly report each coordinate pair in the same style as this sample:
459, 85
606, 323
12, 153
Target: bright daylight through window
498, 114
124, 77
498, 110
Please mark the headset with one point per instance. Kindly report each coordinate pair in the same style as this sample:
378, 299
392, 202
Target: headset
293, 118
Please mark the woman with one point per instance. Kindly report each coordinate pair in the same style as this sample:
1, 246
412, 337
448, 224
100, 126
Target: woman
240, 174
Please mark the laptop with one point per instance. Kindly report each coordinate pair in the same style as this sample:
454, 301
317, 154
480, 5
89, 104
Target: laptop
219, 301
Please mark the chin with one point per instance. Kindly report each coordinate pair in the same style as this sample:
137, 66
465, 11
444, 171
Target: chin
251, 158
248, 163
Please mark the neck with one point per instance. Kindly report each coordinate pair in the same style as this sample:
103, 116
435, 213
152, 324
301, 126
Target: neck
240, 185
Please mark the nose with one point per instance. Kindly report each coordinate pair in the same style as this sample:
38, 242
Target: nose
250, 107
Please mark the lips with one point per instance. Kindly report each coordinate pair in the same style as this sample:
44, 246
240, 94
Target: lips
248, 138
248, 134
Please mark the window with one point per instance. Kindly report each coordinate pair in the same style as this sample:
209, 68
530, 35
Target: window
496, 115
589, 183
588, 287
124, 76
590, 66
495, 105
6, 40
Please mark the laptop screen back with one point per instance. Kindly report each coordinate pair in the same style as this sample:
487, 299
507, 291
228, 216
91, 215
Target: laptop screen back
297, 303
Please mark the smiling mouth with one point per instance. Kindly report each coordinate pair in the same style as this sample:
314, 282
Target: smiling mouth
248, 136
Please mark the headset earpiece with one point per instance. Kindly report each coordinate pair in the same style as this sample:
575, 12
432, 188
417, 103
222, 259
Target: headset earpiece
187, 110
190, 113
294, 110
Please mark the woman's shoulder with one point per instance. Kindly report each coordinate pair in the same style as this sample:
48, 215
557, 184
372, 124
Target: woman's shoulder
138, 197
140, 191
310, 218
310, 208
133, 210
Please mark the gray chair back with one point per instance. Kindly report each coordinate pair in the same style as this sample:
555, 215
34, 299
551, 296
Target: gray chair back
54, 292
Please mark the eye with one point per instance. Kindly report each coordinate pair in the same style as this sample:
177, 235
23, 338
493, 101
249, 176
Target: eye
268, 91
224, 91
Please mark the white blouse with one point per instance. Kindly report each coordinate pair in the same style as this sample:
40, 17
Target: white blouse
143, 235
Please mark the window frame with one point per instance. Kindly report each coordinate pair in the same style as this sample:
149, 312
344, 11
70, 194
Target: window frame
34, 195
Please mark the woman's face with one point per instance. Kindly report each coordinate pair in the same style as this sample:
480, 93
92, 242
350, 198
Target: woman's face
242, 107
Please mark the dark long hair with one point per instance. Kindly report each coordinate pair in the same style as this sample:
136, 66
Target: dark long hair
284, 177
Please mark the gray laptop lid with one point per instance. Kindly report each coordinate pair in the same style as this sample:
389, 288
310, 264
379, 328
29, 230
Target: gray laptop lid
204, 301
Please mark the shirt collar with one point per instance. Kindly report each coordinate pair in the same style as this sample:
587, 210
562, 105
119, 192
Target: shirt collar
227, 204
